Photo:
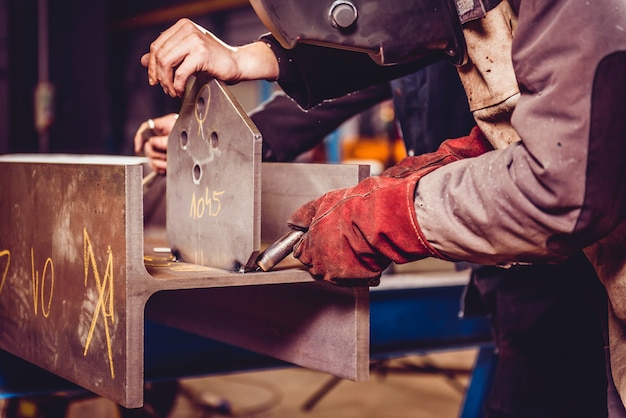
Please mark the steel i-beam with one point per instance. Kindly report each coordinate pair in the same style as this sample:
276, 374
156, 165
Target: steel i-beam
76, 283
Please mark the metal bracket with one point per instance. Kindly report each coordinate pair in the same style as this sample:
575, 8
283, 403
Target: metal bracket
213, 179
75, 288
76, 283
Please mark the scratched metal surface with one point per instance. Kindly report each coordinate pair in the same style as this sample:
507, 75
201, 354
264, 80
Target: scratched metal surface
213, 179
74, 289
287, 186
63, 252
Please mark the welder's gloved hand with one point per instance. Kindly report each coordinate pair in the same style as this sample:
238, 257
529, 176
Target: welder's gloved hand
450, 150
353, 234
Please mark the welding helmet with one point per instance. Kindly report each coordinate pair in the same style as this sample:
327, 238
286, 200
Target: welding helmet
390, 31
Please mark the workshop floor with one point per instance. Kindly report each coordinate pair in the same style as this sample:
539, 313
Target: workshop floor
416, 387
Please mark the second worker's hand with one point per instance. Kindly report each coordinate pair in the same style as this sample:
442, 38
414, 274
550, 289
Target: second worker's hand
151, 140
186, 48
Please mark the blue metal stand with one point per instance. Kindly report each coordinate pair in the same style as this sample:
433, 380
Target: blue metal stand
403, 322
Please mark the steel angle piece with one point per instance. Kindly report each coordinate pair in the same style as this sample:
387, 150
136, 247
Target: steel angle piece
213, 179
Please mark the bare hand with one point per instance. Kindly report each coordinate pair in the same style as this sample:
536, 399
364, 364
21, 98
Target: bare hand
151, 140
187, 48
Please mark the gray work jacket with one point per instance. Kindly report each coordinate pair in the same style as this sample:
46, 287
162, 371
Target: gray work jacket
561, 187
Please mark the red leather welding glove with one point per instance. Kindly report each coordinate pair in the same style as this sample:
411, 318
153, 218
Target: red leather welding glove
355, 233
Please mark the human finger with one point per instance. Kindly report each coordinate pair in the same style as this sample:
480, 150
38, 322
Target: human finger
184, 45
144, 132
177, 61
157, 156
158, 145
157, 129
149, 60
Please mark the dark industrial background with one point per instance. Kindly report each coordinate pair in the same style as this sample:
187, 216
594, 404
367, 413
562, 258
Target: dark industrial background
89, 53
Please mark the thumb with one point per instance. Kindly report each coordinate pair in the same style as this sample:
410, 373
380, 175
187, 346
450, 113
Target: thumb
163, 125
301, 219
159, 143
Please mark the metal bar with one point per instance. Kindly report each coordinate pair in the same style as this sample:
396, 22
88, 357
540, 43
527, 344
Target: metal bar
74, 287
189, 9
316, 324
65, 266
213, 179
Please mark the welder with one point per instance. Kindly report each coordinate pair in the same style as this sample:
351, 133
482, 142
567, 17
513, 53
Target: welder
556, 98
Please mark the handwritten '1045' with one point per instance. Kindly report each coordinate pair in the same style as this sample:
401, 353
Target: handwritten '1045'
207, 205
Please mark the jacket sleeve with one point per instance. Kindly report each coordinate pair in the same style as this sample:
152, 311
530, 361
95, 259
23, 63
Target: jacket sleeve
311, 74
288, 130
562, 186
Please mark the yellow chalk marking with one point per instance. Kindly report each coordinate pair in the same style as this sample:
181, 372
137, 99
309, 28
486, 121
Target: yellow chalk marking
105, 304
6, 268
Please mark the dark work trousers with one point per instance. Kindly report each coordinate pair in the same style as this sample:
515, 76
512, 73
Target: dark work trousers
549, 321
615, 404
549, 327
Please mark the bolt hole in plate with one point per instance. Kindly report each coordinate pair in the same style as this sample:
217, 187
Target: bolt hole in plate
184, 140
196, 173
213, 219
202, 102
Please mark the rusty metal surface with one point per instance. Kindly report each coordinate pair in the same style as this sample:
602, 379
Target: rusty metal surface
213, 179
64, 265
74, 289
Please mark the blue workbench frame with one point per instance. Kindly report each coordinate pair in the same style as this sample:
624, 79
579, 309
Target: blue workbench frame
402, 322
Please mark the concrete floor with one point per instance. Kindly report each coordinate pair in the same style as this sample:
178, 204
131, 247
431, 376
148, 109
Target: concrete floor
405, 388
430, 386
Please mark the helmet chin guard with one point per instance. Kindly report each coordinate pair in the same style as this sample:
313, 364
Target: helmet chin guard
390, 31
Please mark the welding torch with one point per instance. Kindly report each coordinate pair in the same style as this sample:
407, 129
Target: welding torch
277, 251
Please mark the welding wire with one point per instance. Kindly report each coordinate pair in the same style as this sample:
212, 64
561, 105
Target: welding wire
147, 180
149, 132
